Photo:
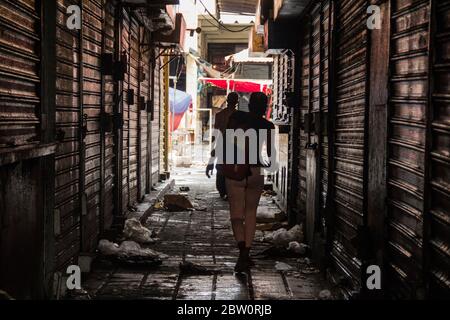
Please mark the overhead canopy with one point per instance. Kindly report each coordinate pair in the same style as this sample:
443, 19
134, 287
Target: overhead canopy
237, 6
289, 8
240, 85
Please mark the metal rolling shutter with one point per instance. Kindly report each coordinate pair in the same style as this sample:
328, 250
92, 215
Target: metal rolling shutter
313, 142
67, 158
313, 136
406, 144
155, 123
144, 93
438, 209
109, 108
133, 112
351, 99
126, 113
324, 57
92, 100
304, 107
319, 88
19, 72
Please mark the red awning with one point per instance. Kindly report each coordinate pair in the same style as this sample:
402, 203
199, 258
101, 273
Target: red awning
240, 85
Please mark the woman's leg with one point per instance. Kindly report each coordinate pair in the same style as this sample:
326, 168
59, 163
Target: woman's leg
236, 199
255, 186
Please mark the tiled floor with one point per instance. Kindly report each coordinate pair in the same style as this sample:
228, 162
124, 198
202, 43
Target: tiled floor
203, 237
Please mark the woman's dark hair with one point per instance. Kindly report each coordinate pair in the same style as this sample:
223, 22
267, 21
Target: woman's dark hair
258, 103
232, 99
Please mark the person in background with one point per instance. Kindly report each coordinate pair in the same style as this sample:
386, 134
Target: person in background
220, 123
244, 192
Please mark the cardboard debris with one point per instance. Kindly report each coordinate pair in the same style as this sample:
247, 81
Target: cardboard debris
159, 205
177, 202
282, 237
135, 231
268, 193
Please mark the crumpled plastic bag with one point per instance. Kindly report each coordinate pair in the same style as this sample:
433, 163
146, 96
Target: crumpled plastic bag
107, 247
282, 266
299, 248
283, 237
268, 216
127, 249
135, 231
132, 248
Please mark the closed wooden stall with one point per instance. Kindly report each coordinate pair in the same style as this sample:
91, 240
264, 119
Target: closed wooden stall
68, 134
438, 157
143, 120
304, 107
92, 106
136, 94
133, 111
109, 108
351, 70
19, 77
22, 108
312, 140
125, 110
406, 145
324, 102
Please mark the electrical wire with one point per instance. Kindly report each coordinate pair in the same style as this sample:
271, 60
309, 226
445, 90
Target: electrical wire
220, 22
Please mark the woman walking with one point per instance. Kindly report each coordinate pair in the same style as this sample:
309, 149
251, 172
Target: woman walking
245, 188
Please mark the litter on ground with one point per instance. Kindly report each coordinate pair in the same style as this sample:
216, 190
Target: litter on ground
283, 237
298, 248
130, 252
177, 202
282, 266
135, 231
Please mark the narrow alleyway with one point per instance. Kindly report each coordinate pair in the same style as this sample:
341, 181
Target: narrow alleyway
204, 238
